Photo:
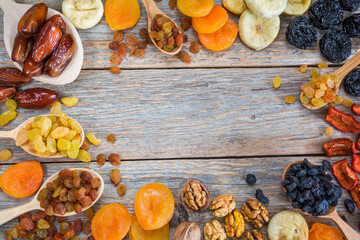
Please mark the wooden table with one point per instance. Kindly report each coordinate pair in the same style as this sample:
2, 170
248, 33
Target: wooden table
216, 119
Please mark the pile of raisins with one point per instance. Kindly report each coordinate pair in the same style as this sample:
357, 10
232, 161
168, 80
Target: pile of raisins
71, 191
310, 188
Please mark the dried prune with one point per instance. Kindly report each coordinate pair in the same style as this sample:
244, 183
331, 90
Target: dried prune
352, 83
351, 26
335, 46
326, 14
251, 179
261, 197
349, 205
350, 5
301, 33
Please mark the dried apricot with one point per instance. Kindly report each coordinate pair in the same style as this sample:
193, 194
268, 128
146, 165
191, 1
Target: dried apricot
111, 222
154, 206
212, 22
222, 38
138, 233
121, 14
22, 180
195, 8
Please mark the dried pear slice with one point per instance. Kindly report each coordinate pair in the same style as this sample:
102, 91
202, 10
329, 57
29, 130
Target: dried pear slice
235, 6
297, 7
266, 8
288, 225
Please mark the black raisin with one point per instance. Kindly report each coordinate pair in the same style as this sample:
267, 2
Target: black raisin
301, 173
337, 191
320, 169
350, 5
344, 218
295, 167
350, 205
321, 207
291, 195
351, 26
352, 83
327, 164
312, 172
301, 33
296, 204
251, 179
261, 197
291, 187
330, 177
335, 46
306, 208
326, 14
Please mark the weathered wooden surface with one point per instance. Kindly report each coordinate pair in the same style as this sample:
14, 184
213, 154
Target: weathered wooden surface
174, 173
97, 54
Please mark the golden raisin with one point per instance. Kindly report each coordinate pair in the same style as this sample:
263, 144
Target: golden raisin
11, 104
309, 91
322, 65
131, 40
317, 102
184, 57
121, 189
101, 159
118, 36
93, 139
303, 68
289, 99
115, 69
139, 52
115, 176
329, 131
277, 82
111, 138
347, 102
5, 154
114, 159
70, 101
194, 47
339, 99
115, 59
305, 100
56, 108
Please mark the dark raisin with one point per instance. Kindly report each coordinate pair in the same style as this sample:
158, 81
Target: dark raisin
327, 164
86, 176
291, 187
291, 195
251, 179
312, 172
301, 33
335, 46
350, 205
344, 218
321, 169
27, 224
351, 26
295, 167
321, 207
261, 197
352, 83
52, 231
77, 226
87, 227
350, 5
306, 208
326, 14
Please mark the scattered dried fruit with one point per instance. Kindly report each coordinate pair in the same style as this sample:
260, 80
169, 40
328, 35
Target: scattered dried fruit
121, 189
114, 159
303, 68
5, 154
70, 101
212, 22
339, 147
115, 176
329, 131
184, 57
343, 122
101, 159
277, 82
121, 14
290, 99
344, 174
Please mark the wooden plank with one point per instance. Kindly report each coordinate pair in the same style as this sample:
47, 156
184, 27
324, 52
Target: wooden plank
192, 113
97, 54
220, 176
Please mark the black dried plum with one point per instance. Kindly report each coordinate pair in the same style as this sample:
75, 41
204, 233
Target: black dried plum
301, 33
326, 14
349, 205
352, 83
261, 197
351, 26
251, 179
350, 5
335, 46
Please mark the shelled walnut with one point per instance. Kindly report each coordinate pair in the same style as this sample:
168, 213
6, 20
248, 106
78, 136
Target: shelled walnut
255, 213
234, 224
187, 231
256, 235
214, 231
195, 196
222, 205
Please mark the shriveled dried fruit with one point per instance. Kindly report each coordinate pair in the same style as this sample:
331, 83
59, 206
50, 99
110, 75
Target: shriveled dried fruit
114, 45
7, 116
326, 14
349, 5
194, 47
5, 154
301, 33
85, 145
322, 65
352, 83
335, 46
184, 57
70, 101
111, 138
290, 99
115, 176
84, 156
121, 189
277, 82
11, 104
118, 36
347, 102
114, 159
115, 70
92, 139
139, 52
131, 40
351, 26
303, 68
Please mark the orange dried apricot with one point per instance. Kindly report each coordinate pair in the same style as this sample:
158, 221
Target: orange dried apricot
195, 8
222, 38
121, 14
321, 231
22, 180
154, 206
138, 233
211, 22
111, 222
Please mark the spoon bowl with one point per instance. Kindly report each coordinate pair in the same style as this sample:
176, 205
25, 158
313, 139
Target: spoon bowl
17, 132
12, 14
11, 213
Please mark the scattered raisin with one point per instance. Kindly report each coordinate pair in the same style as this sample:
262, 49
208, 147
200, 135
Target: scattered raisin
122, 49
132, 50
141, 45
139, 52
184, 57
114, 45
194, 47
115, 176
290, 99
261, 197
118, 36
186, 23
114, 159
349, 205
172, 4
185, 38
131, 40
303, 68
87, 227
77, 226
143, 32
329, 131
89, 213
121, 189
85, 145
36, 216
251, 179
101, 159
111, 138
277, 82
115, 69
115, 59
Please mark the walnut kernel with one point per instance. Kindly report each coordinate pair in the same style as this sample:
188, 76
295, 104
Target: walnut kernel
222, 205
255, 213
195, 195
234, 224
214, 231
256, 235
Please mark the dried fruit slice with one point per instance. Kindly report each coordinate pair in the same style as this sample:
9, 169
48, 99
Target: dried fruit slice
121, 14
266, 8
258, 32
297, 7
355, 195
339, 147
138, 233
195, 8
221, 39
355, 162
342, 171
235, 6
211, 22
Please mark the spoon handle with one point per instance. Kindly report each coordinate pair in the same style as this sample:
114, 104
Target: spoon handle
8, 134
152, 10
11, 213
7, 5
348, 66
348, 232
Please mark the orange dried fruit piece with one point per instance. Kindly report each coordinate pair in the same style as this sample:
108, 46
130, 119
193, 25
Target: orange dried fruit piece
111, 222
303, 68
212, 22
195, 8
121, 14
138, 233
290, 99
154, 206
320, 231
222, 38
22, 180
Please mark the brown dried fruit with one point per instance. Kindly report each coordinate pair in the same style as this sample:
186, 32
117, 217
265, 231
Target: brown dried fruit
214, 231
33, 19
13, 77
114, 159
36, 98
195, 195
184, 57
222, 205
114, 45
31, 68
132, 50
179, 39
115, 70
115, 176
194, 47
186, 23
139, 52
185, 38
121, 189
141, 45
131, 40
101, 159
122, 49
21, 48
111, 138
118, 36
115, 59
85, 145
172, 4
27, 223
187, 231
6, 93
255, 213
58, 21
144, 33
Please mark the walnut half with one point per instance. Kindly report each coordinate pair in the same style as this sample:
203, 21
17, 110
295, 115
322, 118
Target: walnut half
234, 224
195, 196
214, 231
256, 235
255, 213
222, 205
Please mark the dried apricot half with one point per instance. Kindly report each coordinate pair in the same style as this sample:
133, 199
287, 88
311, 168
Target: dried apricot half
222, 38
121, 14
138, 233
154, 206
22, 180
211, 22
111, 222
195, 8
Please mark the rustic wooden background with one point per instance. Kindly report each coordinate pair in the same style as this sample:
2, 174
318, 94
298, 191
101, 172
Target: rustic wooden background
217, 119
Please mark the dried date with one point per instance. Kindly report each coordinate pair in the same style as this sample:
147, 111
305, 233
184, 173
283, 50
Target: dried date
58, 21
36, 98
32, 69
33, 19
13, 77
6, 93
21, 48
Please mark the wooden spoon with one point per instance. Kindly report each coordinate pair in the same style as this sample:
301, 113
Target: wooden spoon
11, 213
152, 11
14, 134
12, 14
341, 74
347, 231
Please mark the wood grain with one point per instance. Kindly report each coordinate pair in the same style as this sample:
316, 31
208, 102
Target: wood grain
97, 54
220, 176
